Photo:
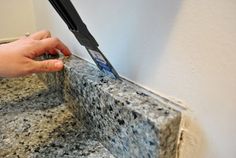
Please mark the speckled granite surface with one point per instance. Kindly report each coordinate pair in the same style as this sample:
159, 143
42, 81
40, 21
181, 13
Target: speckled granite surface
82, 113
35, 122
127, 119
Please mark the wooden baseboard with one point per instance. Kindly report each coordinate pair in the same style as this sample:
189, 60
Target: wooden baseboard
7, 40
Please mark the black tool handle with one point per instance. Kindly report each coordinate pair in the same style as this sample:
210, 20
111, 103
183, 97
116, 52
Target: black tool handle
71, 17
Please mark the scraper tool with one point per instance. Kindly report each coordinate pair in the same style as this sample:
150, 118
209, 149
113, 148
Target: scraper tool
71, 17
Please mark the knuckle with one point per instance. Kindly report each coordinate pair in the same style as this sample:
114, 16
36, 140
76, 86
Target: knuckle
28, 69
46, 33
31, 41
55, 39
45, 66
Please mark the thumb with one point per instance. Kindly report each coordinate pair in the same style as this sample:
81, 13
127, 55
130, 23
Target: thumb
51, 65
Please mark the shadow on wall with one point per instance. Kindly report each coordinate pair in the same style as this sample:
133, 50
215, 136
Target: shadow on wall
130, 31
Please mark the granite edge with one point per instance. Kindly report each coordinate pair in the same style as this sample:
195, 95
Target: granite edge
83, 73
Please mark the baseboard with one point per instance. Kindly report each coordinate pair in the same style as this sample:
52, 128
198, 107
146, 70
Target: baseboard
7, 40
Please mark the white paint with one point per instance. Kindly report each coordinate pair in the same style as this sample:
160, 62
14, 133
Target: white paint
16, 18
184, 49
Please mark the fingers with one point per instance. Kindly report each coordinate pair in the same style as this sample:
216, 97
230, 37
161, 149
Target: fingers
50, 44
40, 35
42, 42
47, 66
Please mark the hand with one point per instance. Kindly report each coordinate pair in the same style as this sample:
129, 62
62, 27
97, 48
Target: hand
17, 58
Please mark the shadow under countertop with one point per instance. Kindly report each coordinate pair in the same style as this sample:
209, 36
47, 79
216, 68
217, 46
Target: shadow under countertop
36, 122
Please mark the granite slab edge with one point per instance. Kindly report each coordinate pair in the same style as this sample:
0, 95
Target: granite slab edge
128, 120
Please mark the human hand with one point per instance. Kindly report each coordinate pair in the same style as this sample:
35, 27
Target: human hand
17, 58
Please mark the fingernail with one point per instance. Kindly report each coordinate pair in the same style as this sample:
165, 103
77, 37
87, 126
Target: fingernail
59, 64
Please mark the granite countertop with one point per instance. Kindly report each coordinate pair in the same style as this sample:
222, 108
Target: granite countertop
35, 122
81, 112
128, 120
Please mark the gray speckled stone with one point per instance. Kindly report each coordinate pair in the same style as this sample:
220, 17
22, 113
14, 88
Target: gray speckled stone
36, 123
126, 118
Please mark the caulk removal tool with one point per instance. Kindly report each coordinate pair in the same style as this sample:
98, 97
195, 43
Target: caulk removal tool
68, 13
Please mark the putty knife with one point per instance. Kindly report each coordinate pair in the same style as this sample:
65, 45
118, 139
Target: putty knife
71, 17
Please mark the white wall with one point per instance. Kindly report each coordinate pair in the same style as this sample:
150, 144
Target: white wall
185, 49
16, 18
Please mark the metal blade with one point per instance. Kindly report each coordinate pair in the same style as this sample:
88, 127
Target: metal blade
102, 63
